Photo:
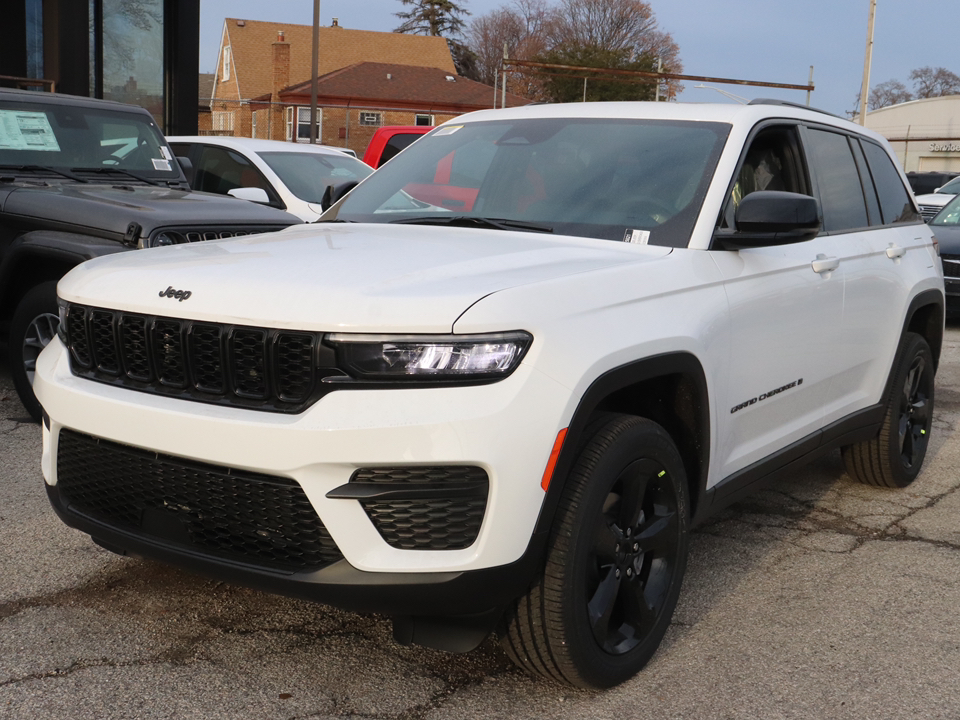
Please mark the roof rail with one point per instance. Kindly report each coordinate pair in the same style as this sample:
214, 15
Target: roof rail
787, 103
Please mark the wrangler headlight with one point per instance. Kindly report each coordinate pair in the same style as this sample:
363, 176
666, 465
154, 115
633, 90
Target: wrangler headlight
425, 357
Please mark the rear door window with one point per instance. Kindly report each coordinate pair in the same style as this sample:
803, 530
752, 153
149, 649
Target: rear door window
838, 181
895, 204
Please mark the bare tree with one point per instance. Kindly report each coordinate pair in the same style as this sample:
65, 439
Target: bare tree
521, 26
891, 92
934, 82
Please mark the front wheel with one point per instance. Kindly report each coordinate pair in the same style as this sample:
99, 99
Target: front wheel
33, 326
894, 457
615, 563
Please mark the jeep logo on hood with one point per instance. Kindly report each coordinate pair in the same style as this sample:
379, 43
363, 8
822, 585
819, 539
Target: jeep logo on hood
180, 295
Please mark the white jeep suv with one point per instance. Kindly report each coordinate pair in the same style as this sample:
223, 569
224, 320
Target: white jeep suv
502, 380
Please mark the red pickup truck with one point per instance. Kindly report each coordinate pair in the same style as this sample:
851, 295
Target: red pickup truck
388, 141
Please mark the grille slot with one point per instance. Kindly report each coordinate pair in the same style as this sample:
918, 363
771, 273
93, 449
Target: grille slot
425, 508
951, 265
220, 512
260, 368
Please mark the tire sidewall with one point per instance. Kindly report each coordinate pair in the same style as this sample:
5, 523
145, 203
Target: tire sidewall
639, 439
39, 300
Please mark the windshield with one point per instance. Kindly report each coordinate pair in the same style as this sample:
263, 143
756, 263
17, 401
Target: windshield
951, 188
307, 175
950, 215
616, 179
68, 138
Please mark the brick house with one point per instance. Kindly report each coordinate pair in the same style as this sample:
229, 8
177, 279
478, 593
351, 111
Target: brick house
257, 59
354, 101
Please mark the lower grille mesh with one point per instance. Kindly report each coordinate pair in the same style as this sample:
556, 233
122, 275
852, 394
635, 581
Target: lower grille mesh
229, 514
449, 519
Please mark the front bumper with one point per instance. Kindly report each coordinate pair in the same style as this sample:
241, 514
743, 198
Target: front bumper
507, 428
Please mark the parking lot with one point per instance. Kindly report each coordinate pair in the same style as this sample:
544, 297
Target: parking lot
817, 598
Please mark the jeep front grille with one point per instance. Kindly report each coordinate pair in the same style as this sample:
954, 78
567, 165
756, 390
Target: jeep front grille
259, 368
215, 511
181, 235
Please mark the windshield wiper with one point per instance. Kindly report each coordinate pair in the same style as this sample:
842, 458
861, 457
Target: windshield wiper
101, 171
472, 221
43, 168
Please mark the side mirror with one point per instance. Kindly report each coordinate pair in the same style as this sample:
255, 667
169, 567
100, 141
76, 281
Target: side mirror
335, 193
771, 217
187, 168
253, 194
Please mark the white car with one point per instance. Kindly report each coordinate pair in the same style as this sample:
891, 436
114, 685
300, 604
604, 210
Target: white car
498, 384
295, 177
932, 203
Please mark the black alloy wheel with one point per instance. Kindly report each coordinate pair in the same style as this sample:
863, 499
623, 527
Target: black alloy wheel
895, 456
615, 561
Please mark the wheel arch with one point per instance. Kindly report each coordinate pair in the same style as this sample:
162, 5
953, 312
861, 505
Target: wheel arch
671, 390
40, 256
925, 317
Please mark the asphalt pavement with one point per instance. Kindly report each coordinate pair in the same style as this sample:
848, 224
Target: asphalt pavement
816, 598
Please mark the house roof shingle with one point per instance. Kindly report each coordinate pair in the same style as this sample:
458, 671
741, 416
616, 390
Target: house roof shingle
388, 83
251, 43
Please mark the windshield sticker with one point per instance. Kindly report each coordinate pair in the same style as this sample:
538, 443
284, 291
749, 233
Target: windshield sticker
447, 130
24, 130
161, 164
637, 237
165, 152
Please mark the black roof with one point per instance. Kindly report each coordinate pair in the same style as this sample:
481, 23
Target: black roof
33, 96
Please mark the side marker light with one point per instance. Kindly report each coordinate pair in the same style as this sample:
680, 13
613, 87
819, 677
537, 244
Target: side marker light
552, 462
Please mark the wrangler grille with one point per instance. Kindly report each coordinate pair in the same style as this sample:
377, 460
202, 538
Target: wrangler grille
260, 368
216, 511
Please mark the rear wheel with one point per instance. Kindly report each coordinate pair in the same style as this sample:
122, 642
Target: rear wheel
894, 457
33, 326
615, 563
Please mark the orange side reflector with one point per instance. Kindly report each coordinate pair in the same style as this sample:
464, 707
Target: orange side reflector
552, 462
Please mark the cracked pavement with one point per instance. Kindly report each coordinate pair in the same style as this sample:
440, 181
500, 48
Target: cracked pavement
814, 598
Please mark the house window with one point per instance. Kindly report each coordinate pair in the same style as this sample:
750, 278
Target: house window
226, 62
371, 118
424, 120
222, 122
302, 115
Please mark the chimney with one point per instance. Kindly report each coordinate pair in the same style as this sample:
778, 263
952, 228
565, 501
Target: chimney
281, 66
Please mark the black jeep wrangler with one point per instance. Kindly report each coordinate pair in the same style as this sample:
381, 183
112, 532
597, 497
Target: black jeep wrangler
80, 178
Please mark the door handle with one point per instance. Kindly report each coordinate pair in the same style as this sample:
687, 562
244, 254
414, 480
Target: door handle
894, 252
824, 264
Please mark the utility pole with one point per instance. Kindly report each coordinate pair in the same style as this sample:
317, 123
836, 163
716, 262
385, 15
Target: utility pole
314, 66
865, 86
656, 98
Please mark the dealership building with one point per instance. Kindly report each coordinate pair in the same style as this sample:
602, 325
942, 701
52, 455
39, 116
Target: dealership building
924, 133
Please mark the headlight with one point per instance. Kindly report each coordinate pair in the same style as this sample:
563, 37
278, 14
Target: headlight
166, 238
425, 357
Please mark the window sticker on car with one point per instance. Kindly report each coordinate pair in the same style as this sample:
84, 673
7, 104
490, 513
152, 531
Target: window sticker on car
166, 153
161, 164
637, 237
448, 130
23, 130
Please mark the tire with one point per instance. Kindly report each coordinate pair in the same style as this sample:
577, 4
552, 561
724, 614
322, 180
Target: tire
894, 457
615, 562
33, 326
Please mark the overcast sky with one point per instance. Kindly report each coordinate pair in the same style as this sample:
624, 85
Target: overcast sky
767, 40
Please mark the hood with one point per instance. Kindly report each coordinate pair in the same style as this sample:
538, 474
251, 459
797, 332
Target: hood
343, 277
935, 199
112, 208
